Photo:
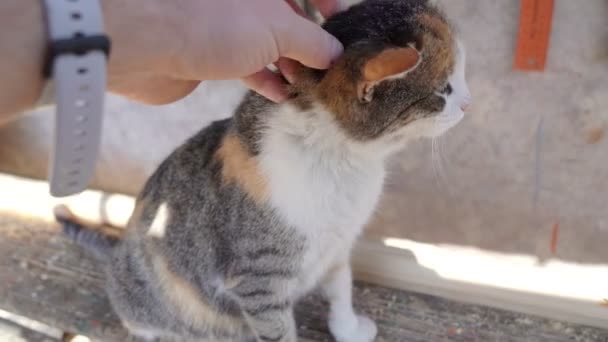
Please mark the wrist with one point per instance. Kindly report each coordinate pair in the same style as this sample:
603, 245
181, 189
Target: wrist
23, 47
140, 38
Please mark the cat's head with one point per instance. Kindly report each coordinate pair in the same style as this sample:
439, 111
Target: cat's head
401, 74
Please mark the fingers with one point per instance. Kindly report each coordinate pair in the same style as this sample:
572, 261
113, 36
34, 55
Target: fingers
270, 84
288, 68
303, 41
267, 84
307, 43
327, 8
295, 7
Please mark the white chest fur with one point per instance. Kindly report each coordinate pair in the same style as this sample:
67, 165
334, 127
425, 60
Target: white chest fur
321, 183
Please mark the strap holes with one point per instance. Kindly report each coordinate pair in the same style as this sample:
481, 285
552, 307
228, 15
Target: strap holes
80, 133
82, 71
83, 87
79, 147
80, 103
73, 184
81, 118
77, 160
76, 15
73, 172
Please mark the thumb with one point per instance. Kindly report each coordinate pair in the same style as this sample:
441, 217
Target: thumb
307, 43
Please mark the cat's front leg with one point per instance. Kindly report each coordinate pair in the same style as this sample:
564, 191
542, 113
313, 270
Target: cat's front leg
344, 324
268, 310
272, 322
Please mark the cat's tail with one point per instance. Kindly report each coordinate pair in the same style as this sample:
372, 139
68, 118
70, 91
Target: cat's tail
91, 239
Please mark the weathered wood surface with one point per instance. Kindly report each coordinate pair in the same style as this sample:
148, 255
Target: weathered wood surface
45, 277
14, 332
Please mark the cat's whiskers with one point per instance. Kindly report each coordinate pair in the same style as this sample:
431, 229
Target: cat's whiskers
443, 161
434, 164
437, 164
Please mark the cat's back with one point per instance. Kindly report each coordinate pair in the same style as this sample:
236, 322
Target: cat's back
149, 264
199, 225
202, 200
191, 162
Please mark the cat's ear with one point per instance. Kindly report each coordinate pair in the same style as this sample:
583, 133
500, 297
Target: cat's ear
389, 64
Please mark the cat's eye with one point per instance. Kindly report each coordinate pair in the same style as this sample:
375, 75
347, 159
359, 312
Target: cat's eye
447, 89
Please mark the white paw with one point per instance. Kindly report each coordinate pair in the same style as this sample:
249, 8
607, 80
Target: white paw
363, 330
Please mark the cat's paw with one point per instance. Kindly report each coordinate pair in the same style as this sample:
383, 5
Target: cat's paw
364, 330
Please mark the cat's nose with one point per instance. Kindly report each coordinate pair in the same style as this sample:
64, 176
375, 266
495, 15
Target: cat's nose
466, 103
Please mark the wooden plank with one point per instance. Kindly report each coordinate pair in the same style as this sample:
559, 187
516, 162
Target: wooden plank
11, 331
47, 278
553, 289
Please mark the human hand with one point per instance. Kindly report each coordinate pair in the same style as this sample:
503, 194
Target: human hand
163, 49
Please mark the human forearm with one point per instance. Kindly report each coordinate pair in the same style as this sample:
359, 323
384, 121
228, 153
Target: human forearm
22, 42
162, 49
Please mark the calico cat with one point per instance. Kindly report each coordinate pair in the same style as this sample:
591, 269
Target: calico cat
255, 211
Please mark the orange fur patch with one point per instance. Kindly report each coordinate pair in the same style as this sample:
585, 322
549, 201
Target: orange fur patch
438, 42
336, 90
389, 63
188, 302
436, 25
239, 167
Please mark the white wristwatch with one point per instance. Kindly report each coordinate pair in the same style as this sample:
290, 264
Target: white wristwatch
76, 65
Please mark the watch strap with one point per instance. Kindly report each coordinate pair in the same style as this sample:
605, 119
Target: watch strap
77, 65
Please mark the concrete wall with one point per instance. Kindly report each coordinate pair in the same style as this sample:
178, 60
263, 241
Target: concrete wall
529, 155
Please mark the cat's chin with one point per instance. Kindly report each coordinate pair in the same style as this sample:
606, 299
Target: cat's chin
443, 123
426, 128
